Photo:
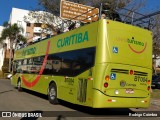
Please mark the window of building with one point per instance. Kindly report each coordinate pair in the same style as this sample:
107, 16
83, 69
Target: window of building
37, 24
27, 34
19, 23
28, 24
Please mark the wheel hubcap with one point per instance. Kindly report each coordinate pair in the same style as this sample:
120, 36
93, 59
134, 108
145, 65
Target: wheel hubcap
52, 93
19, 84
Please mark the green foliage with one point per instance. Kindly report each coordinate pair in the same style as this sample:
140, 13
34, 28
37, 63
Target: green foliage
5, 24
21, 38
12, 32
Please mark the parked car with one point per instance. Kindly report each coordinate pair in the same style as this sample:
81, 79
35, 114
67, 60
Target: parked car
156, 81
9, 76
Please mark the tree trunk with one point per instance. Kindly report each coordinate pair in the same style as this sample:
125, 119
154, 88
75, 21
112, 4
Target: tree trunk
10, 56
10, 60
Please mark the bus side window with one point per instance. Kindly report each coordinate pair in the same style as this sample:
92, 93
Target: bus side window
15, 65
19, 66
24, 66
37, 63
56, 65
29, 65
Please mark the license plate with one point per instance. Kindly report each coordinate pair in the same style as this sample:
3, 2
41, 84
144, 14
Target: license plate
129, 91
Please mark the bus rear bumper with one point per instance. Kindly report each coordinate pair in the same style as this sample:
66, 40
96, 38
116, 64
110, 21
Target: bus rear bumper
101, 100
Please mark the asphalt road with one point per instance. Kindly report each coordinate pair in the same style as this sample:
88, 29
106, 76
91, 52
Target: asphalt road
29, 103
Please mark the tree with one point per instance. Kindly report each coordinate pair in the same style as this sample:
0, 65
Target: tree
12, 33
156, 41
156, 37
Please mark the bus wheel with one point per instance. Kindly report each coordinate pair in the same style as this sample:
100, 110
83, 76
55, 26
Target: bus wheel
19, 86
52, 94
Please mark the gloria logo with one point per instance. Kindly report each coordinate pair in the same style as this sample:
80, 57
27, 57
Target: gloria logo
132, 42
29, 51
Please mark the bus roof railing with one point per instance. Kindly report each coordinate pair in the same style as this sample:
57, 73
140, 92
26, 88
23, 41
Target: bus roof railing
137, 19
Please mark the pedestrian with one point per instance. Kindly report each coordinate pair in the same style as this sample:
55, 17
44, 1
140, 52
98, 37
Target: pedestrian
103, 16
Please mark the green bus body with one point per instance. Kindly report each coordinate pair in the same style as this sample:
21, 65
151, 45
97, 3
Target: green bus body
105, 64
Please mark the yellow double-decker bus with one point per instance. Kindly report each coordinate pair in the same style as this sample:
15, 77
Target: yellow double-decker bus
105, 64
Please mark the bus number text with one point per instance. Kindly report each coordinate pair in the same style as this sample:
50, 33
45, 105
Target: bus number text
140, 79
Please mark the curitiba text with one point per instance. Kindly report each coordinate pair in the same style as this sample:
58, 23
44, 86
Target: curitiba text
73, 39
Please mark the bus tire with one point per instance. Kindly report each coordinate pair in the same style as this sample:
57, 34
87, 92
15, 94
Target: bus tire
19, 85
52, 94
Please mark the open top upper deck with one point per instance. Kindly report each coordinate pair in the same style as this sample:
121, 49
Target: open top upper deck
122, 43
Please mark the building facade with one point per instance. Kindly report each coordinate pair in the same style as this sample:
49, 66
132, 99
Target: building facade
32, 29
17, 16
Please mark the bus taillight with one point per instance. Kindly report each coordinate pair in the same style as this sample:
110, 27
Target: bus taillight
106, 85
111, 100
144, 101
107, 78
149, 82
148, 88
131, 72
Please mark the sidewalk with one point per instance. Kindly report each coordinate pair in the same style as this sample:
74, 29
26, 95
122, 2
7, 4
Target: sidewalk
154, 106
155, 101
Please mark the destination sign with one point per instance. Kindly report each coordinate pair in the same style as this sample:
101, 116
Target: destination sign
75, 11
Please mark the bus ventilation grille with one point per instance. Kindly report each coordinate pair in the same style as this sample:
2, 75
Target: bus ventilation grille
140, 73
127, 72
120, 71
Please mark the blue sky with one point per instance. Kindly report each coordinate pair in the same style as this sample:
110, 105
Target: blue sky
6, 7
152, 6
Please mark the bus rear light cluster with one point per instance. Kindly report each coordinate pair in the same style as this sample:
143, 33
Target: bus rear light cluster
107, 78
131, 72
90, 78
149, 82
105, 84
144, 101
111, 100
148, 88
